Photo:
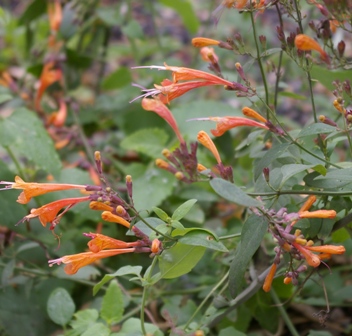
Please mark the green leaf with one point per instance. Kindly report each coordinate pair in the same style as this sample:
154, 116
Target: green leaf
146, 141
179, 260
231, 331
97, 329
110, 15
153, 187
251, 237
152, 221
5, 97
125, 270
338, 175
326, 77
314, 129
132, 327
269, 157
84, 319
34, 10
133, 30
112, 305
23, 131
161, 214
183, 209
60, 306
233, 193
320, 169
292, 95
117, 79
185, 10
290, 170
199, 237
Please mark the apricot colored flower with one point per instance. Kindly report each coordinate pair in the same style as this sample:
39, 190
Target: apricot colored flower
110, 217
206, 141
269, 278
48, 213
101, 242
330, 249
58, 118
224, 124
248, 112
238, 4
208, 55
318, 214
306, 43
200, 42
157, 106
55, 14
48, 77
94, 205
32, 189
76, 261
311, 258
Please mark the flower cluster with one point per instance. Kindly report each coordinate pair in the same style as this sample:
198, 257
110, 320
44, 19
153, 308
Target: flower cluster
294, 243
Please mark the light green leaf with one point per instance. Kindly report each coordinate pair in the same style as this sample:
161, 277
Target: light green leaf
326, 76
199, 237
133, 30
233, 193
185, 10
5, 97
290, 170
132, 327
125, 270
112, 305
183, 209
320, 169
146, 141
179, 260
252, 235
23, 132
97, 329
161, 214
292, 95
84, 319
60, 306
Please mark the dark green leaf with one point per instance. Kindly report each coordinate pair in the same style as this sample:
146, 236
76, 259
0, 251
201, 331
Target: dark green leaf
232, 193
179, 260
34, 10
23, 131
112, 305
185, 10
268, 158
316, 129
60, 306
183, 209
117, 79
252, 235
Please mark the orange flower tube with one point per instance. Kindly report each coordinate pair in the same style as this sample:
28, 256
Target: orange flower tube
318, 214
110, 217
330, 249
200, 42
311, 258
269, 278
306, 43
206, 141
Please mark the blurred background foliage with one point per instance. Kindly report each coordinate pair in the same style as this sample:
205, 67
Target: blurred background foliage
97, 44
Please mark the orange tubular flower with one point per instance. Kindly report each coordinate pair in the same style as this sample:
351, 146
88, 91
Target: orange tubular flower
248, 112
157, 106
101, 242
208, 55
269, 278
49, 76
226, 123
58, 118
311, 258
330, 249
76, 261
110, 217
55, 14
306, 43
200, 42
94, 205
206, 141
239, 4
48, 212
32, 189
318, 214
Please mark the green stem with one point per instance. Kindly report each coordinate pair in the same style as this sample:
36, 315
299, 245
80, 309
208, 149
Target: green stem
224, 278
144, 297
15, 161
260, 65
302, 192
230, 236
286, 318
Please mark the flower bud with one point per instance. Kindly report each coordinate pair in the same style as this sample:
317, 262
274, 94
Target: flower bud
341, 48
